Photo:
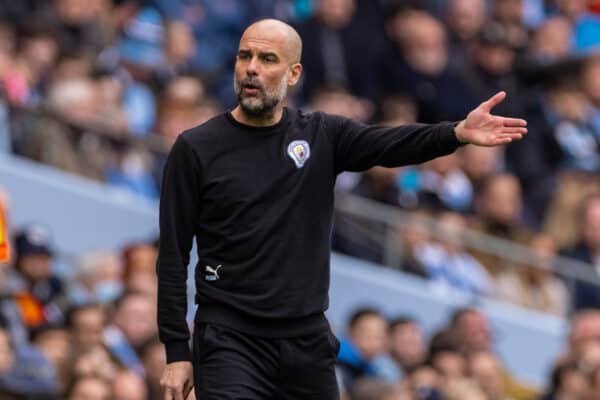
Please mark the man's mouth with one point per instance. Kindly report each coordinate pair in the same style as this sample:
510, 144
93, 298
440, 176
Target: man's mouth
250, 88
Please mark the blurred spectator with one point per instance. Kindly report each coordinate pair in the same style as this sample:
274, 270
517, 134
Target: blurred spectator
367, 339
472, 327
54, 343
128, 386
39, 293
398, 110
585, 327
332, 39
535, 286
39, 49
492, 69
126, 333
89, 388
99, 278
407, 344
94, 361
30, 375
414, 236
478, 163
140, 268
445, 355
587, 249
180, 46
141, 53
567, 382
426, 383
448, 265
82, 23
510, 15
443, 185
586, 25
552, 41
86, 323
465, 19
560, 155
487, 371
132, 170
417, 63
139, 258
184, 106
499, 209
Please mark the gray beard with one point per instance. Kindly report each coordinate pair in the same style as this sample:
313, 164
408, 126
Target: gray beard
262, 106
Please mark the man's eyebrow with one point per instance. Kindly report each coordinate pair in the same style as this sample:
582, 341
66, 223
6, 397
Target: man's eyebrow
267, 54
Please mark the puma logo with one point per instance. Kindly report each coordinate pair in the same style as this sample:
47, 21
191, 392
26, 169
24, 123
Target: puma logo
214, 273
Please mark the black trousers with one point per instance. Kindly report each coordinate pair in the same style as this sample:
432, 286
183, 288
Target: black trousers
232, 365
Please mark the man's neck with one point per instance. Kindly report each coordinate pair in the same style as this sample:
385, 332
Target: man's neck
261, 121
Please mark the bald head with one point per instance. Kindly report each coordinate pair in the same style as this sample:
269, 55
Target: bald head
279, 33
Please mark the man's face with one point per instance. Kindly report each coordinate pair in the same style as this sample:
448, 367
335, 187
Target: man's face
87, 327
136, 329
262, 71
370, 335
407, 344
36, 266
476, 332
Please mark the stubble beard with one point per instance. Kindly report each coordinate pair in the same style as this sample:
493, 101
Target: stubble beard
261, 106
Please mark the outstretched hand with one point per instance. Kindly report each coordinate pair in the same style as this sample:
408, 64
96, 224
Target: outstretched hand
484, 129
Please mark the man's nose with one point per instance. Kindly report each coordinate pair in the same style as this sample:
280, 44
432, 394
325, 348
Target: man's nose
252, 67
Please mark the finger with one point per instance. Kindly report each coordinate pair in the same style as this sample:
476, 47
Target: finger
513, 122
168, 395
513, 136
522, 131
493, 101
186, 391
178, 394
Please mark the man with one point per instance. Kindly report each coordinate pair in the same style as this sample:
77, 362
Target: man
246, 184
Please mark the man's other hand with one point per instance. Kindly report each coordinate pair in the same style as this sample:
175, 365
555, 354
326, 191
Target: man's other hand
177, 380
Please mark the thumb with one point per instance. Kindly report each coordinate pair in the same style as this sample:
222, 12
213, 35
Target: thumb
493, 101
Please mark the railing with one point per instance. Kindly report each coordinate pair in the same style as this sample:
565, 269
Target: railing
391, 219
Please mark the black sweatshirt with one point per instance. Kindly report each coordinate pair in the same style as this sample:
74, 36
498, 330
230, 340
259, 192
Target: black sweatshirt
260, 203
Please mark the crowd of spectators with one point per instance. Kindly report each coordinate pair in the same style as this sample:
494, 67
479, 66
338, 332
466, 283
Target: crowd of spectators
88, 333
382, 359
101, 88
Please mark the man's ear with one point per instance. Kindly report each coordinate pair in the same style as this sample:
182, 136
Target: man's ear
295, 72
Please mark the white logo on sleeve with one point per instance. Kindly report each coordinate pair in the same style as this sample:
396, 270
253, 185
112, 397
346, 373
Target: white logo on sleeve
212, 273
299, 151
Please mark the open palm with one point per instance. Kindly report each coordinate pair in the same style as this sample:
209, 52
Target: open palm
484, 129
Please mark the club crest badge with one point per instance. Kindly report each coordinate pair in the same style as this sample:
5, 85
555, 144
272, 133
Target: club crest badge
299, 151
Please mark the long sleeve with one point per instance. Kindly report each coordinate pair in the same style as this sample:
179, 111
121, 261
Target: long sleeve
359, 147
179, 202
